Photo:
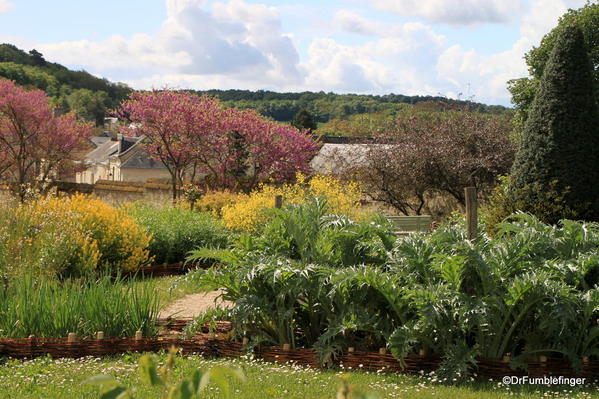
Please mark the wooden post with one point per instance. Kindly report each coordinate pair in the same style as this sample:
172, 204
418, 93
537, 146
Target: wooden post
471, 212
382, 351
286, 347
585, 360
351, 349
100, 335
278, 201
138, 335
72, 337
32, 347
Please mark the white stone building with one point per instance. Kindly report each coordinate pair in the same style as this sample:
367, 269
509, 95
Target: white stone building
120, 159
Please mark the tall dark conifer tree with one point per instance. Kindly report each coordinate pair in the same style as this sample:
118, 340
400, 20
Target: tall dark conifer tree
556, 171
304, 120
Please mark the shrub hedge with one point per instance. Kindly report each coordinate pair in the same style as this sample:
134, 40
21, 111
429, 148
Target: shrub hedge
175, 231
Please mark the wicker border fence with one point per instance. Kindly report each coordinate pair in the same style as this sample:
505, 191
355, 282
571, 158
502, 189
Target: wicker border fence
214, 343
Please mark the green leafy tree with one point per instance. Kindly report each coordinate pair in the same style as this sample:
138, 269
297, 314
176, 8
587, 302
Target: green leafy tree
523, 90
560, 143
304, 120
37, 58
89, 105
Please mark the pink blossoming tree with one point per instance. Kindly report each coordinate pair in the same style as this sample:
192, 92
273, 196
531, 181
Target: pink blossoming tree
199, 140
35, 146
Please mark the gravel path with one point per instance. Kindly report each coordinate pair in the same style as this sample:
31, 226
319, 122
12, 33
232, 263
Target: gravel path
194, 304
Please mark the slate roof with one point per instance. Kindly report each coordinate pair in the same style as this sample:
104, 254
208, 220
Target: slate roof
129, 150
99, 140
137, 158
103, 152
334, 158
337, 158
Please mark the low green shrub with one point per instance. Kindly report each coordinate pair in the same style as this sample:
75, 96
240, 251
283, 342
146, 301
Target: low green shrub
175, 231
500, 204
49, 308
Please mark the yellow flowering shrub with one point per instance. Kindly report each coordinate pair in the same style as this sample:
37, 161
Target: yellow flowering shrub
51, 248
246, 213
105, 237
214, 201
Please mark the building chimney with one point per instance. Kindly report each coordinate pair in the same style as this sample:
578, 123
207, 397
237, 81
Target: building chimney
119, 138
110, 125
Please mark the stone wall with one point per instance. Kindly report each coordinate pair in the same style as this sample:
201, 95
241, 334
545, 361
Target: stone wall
112, 192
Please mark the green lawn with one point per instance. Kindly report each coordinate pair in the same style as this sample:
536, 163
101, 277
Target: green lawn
64, 378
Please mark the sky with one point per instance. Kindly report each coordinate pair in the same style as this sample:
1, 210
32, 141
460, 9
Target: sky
464, 49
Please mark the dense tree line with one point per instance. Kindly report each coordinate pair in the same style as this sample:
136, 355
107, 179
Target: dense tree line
323, 107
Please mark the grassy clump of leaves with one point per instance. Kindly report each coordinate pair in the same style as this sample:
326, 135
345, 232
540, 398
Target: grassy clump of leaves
50, 308
161, 377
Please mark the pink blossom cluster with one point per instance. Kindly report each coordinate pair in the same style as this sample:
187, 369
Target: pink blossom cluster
35, 145
200, 140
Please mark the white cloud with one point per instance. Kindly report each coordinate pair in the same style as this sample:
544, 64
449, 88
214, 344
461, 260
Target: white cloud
117, 53
455, 12
6, 6
235, 39
411, 32
543, 16
398, 58
237, 44
486, 76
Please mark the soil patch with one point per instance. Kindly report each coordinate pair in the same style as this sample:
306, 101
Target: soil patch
194, 304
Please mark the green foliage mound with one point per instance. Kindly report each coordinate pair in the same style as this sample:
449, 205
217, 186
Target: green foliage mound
176, 231
560, 144
307, 232
304, 120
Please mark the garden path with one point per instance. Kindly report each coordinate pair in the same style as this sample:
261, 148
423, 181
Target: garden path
193, 304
